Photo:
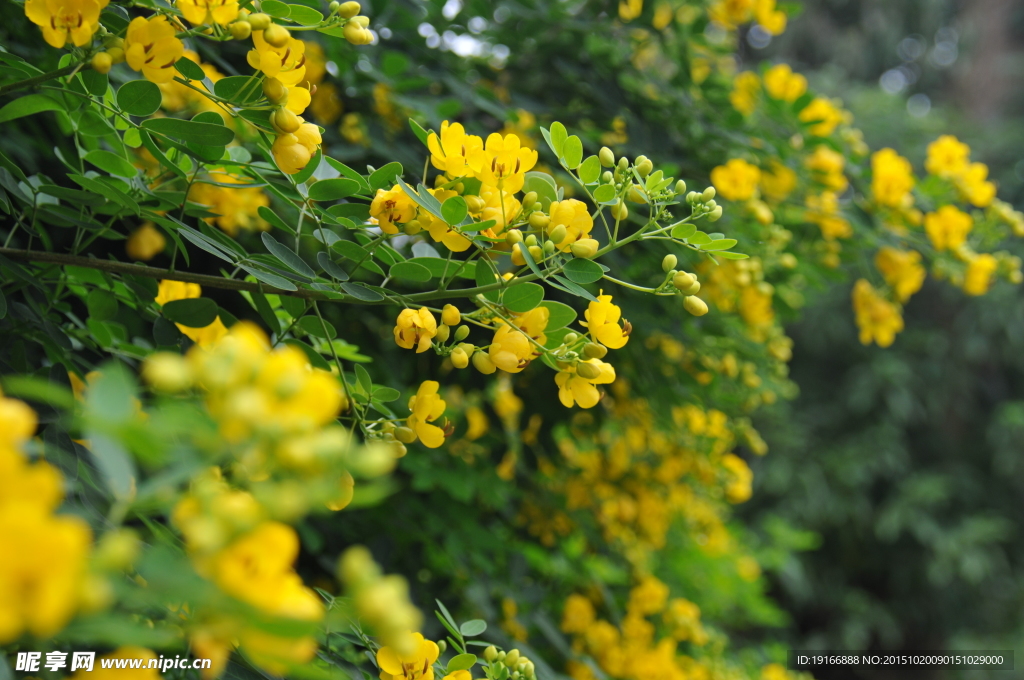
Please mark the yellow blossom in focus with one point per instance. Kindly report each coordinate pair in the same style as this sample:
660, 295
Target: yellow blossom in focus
574, 388
440, 230
603, 323
293, 151
745, 89
781, 83
176, 290
66, 20
736, 180
902, 270
499, 205
892, 178
978, 277
450, 152
286, 63
823, 116
427, 406
151, 46
416, 664
503, 162
575, 217
145, 243
391, 206
510, 349
948, 227
947, 157
199, 12
878, 319
415, 328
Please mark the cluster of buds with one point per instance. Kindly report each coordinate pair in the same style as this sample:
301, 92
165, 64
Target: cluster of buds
654, 187
685, 284
113, 53
703, 203
356, 27
515, 665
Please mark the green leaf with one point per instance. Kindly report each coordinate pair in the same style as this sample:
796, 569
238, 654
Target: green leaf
27, 105
560, 314
189, 69
728, 255
147, 141
454, 210
95, 82
424, 199
699, 238
385, 394
276, 8
461, 662
720, 244
363, 379
582, 271
306, 16
206, 243
3, 305
571, 287
590, 171
269, 278
266, 312
111, 162
572, 152
522, 297
418, 130
198, 133
139, 98
193, 312
558, 135
273, 219
477, 226
544, 185
684, 231
312, 326
604, 193
114, 464
473, 628
394, 63
384, 178
286, 256
333, 269
361, 292
333, 189
102, 305
409, 271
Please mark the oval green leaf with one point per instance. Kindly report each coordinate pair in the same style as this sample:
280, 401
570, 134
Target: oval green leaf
193, 312
590, 171
683, 231
287, 257
306, 16
720, 244
384, 178
454, 210
313, 326
461, 662
558, 135
198, 133
473, 628
560, 314
29, 104
604, 193
572, 152
409, 271
189, 69
582, 271
139, 98
522, 297
699, 238
333, 189
111, 162
276, 8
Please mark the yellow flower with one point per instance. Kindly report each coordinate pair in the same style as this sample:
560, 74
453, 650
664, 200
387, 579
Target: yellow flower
503, 162
145, 243
66, 20
533, 323
576, 219
293, 151
427, 406
948, 227
198, 12
574, 388
978, 277
683, 617
510, 349
781, 83
150, 46
169, 290
236, 207
770, 18
316, 62
603, 323
499, 205
823, 116
738, 486
947, 157
823, 210
827, 166
777, 182
731, 13
440, 230
417, 664
902, 270
649, 596
206, 336
878, 319
975, 187
630, 9
774, 671
287, 63
578, 614
892, 178
450, 152
17, 423
176, 96
745, 88
391, 206
415, 328
736, 180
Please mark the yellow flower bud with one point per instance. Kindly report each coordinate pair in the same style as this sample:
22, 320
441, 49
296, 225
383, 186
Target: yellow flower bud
716, 214
536, 252
277, 35
587, 371
113, 41
593, 350
334, 6
167, 372
475, 203
259, 21
680, 187
585, 248
708, 194
788, 260
695, 306
284, 121
398, 449
459, 357
529, 670
450, 315
116, 54
461, 333
517, 255
683, 281
549, 247
558, 233
694, 289
620, 211
606, 156
101, 62
442, 646
530, 198
644, 167
482, 362
539, 220
531, 240
275, 91
570, 338
354, 33
513, 236
491, 653
347, 10
412, 227
240, 30
635, 195
405, 435
607, 177
362, 21
442, 333
512, 658
668, 263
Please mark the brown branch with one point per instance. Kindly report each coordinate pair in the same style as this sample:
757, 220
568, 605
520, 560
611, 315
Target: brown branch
154, 273
42, 78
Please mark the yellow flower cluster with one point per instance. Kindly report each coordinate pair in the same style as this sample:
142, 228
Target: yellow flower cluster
781, 83
949, 158
732, 13
236, 205
737, 180
892, 178
823, 116
878, 319
948, 227
902, 270
45, 554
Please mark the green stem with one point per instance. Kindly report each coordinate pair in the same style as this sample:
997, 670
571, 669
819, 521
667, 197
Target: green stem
41, 78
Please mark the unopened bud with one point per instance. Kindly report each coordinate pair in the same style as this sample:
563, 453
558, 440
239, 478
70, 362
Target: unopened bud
482, 362
708, 194
536, 252
715, 214
517, 254
405, 435
558, 233
461, 333
623, 163
240, 30
116, 54
259, 21
450, 315
539, 220
491, 653
695, 306
412, 227
334, 6
362, 21
513, 236
530, 198
441, 335
644, 167
570, 338
475, 203
277, 35
459, 357
593, 350
607, 177
635, 195
694, 289
531, 240
585, 248
680, 187
620, 211
275, 91
668, 263
512, 658
442, 646
606, 156
347, 10
711, 205
683, 281
101, 62
285, 121
549, 247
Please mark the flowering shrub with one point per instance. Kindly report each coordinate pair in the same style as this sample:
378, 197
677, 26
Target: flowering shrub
201, 511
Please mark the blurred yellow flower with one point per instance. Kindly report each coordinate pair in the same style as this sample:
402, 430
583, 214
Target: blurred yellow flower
902, 270
145, 243
948, 227
781, 83
427, 406
978, 277
878, 319
736, 180
745, 88
892, 178
822, 115
198, 12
